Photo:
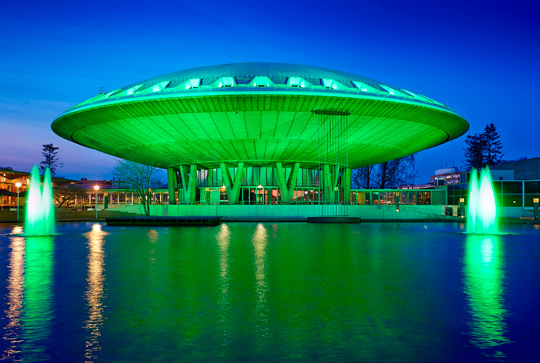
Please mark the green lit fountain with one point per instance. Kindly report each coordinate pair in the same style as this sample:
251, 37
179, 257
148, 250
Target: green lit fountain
39, 211
482, 209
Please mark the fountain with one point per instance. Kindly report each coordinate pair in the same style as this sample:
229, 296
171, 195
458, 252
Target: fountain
39, 210
482, 209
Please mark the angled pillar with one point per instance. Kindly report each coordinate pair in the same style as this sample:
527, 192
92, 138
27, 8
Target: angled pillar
189, 182
286, 186
232, 186
172, 178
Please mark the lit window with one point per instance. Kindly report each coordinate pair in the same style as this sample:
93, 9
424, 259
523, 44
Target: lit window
158, 87
193, 83
133, 89
409, 93
390, 91
327, 83
261, 81
115, 92
226, 82
296, 82
364, 87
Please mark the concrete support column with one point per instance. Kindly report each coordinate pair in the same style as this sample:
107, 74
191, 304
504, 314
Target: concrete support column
330, 183
232, 186
346, 185
286, 186
172, 178
189, 182
210, 177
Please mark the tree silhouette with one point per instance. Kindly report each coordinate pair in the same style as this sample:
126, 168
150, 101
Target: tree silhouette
138, 177
493, 145
483, 149
474, 152
390, 174
50, 155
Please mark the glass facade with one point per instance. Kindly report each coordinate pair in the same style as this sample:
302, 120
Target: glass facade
399, 196
255, 176
508, 193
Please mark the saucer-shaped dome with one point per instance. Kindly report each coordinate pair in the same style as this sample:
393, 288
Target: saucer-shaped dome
258, 113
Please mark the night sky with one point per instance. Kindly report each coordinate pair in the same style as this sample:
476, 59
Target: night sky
481, 58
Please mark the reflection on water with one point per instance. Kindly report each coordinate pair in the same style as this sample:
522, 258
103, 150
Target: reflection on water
269, 292
484, 276
38, 299
223, 238
94, 292
153, 236
12, 334
260, 240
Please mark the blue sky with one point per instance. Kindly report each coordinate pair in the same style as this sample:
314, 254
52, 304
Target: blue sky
480, 58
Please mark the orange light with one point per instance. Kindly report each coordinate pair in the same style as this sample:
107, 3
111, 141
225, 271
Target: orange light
96, 187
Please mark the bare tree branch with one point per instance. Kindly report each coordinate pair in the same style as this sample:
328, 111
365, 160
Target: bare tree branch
138, 177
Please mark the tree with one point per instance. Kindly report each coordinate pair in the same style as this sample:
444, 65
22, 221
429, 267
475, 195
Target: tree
475, 152
483, 149
66, 197
138, 177
390, 174
394, 173
50, 155
493, 146
362, 178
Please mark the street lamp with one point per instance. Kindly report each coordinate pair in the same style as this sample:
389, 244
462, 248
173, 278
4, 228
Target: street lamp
18, 185
96, 188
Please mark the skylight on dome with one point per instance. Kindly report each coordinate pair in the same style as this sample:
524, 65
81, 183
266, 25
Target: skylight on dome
296, 82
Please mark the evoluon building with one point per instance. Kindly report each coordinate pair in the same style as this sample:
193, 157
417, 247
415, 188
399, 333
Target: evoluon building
276, 133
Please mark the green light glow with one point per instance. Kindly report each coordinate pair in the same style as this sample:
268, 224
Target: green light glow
224, 238
258, 113
39, 209
482, 210
37, 299
260, 242
474, 192
483, 279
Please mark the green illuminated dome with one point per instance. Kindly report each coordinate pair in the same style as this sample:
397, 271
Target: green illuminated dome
257, 113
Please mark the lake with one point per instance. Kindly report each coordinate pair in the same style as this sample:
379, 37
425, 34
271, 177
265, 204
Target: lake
378, 292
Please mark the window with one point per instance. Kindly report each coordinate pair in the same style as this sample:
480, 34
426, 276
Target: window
194, 83
364, 87
158, 87
296, 82
390, 91
328, 83
133, 89
226, 82
261, 81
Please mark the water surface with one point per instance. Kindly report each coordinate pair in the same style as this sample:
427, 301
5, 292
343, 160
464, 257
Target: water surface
270, 291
